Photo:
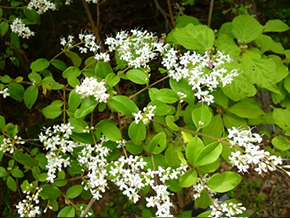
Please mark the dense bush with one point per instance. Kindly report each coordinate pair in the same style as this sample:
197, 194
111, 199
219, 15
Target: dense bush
193, 109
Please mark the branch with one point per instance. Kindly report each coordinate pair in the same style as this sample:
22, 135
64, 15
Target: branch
210, 13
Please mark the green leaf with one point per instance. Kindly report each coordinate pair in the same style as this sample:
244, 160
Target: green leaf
51, 111
24, 159
281, 143
11, 184
132, 148
30, 96
68, 211
182, 86
103, 69
123, 104
199, 37
231, 120
88, 105
42, 177
59, 64
210, 167
137, 76
188, 179
110, 130
39, 65
170, 155
246, 109
16, 91
74, 100
158, 143
78, 124
226, 43
247, 28
281, 118
170, 123
17, 173
2, 123
3, 28
11, 129
49, 83
112, 79
203, 201
6, 79
49, 192
32, 15
264, 42
15, 39
86, 138
276, 26
162, 108
42, 161
209, 154
74, 191
73, 81
193, 148
203, 114
214, 128
137, 132
166, 95
182, 21
224, 182
71, 71
260, 71
3, 172
35, 77
53, 203
74, 57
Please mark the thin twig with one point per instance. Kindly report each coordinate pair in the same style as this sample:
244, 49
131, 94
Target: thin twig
171, 14
88, 207
210, 13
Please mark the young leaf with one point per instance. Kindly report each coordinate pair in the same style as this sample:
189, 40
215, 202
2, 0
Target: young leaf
110, 130
203, 114
209, 154
281, 143
137, 76
158, 143
49, 192
170, 123
30, 96
199, 37
68, 211
137, 132
246, 109
276, 26
246, 27
39, 65
224, 182
193, 149
74, 191
188, 179
123, 104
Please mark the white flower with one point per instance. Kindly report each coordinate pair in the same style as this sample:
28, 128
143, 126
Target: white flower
19, 27
91, 87
226, 210
5, 92
146, 116
41, 6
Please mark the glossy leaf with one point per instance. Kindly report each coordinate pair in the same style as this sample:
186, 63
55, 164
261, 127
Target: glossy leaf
188, 179
209, 154
68, 211
224, 182
102, 69
49, 192
39, 65
246, 109
71, 71
137, 76
74, 100
203, 114
158, 143
109, 129
30, 96
51, 111
88, 105
74, 191
193, 148
10, 182
123, 104
137, 132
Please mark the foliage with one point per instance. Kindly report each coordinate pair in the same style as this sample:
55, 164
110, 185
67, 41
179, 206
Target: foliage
178, 140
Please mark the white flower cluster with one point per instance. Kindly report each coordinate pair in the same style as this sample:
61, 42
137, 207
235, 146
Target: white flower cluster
57, 141
200, 185
26, 207
226, 210
91, 87
19, 27
127, 176
94, 163
250, 154
181, 96
41, 6
88, 40
199, 71
161, 201
8, 144
169, 173
146, 116
137, 49
5, 92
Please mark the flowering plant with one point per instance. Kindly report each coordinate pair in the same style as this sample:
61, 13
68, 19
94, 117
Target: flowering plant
177, 141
